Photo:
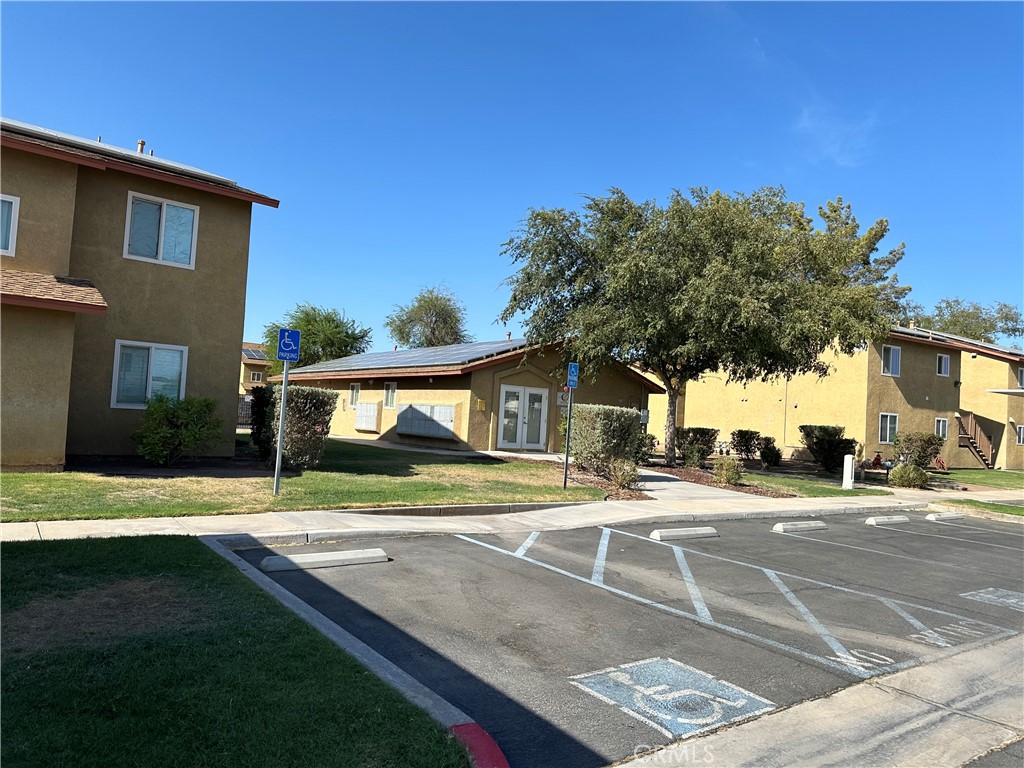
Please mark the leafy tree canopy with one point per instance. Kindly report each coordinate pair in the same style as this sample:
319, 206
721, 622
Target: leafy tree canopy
326, 335
745, 284
433, 319
969, 319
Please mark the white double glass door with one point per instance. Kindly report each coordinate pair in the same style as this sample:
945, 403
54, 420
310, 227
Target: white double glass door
524, 418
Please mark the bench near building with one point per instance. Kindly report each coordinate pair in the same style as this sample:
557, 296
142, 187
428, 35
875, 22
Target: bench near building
489, 395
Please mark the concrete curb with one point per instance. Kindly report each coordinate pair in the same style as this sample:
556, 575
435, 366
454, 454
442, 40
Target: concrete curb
456, 510
482, 749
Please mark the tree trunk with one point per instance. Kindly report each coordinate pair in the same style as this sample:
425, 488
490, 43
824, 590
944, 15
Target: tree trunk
670, 424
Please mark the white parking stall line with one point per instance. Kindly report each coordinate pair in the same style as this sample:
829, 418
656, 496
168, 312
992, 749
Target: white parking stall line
951, 538
809, 617
857, 662
597, 576
691, 585
914, 622
979, 528
970, 569
813, 657
527, 544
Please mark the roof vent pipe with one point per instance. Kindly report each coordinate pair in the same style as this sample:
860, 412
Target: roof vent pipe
395, 349
142, 146
508, 335
912, 325
99, 139
151, 153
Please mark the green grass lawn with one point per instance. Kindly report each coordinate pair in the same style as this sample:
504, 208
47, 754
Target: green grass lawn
1012, 479
805, 487
155, 652
991, 506
349, 477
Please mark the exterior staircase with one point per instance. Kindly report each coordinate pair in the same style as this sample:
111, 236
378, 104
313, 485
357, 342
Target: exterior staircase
971, 437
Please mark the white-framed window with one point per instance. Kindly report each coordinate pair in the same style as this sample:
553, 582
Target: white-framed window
890, 360
390, 391
161, 230
888, 424
256, 376
143, 369
942, 428
942, 365
9, 207
1020, 377
353, 394
1020, 434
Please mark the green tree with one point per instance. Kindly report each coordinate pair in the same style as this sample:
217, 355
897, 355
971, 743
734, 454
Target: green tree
969, 319
744, 284
326, 335
433, 319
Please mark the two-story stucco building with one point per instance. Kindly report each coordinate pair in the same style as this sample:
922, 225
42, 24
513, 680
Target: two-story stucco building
122, 275
916, 381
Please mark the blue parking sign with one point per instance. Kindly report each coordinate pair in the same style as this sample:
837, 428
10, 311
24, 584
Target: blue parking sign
288, 344
574, 376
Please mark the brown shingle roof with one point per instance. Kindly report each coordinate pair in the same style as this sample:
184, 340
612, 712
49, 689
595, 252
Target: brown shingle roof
38, 289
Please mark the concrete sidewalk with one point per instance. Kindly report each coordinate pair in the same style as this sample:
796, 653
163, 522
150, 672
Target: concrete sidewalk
674, 500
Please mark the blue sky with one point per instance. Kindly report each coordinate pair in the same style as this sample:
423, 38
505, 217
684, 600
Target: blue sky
407, 141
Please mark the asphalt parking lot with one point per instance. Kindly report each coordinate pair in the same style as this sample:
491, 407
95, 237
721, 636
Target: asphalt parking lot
587, 646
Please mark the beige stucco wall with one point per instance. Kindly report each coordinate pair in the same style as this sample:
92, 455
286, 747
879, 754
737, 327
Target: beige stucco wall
245, 382
46, 188
202, 309
778, 408
918, 395
35, 374
994, 411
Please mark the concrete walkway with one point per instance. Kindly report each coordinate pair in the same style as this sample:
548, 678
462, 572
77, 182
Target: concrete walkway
674, 500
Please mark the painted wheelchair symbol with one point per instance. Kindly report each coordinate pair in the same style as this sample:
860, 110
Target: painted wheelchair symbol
286, 343
687, 706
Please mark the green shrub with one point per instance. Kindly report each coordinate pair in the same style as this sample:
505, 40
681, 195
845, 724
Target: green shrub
728, 470
693, 456
306, 426
771, 456
908, 476
173, 429
827, 445
917, 448
645, 448
624, 473
602, 433
693, 440
745, 442
263, 421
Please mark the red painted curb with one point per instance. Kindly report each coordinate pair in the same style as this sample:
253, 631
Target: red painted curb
483, 750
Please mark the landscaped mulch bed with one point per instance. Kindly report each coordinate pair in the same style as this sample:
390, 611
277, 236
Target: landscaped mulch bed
706, 478
611, 491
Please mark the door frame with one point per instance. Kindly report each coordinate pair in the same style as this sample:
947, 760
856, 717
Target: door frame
524, 394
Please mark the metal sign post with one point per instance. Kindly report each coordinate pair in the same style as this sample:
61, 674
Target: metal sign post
288, 341
572, 381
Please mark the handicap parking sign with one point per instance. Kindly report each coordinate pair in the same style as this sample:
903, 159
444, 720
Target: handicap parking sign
671, 697
574, 375
288, 340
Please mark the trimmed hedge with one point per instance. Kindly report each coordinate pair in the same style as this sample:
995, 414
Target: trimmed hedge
746, 442
695, 444
771, 456
604, 434
174, 429
918, 448
827, 444
307, 424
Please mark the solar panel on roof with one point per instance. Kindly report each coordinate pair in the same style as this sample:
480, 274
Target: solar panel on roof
254, 354
453, 354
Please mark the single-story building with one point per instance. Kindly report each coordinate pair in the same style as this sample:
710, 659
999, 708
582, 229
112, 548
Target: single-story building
488, 395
